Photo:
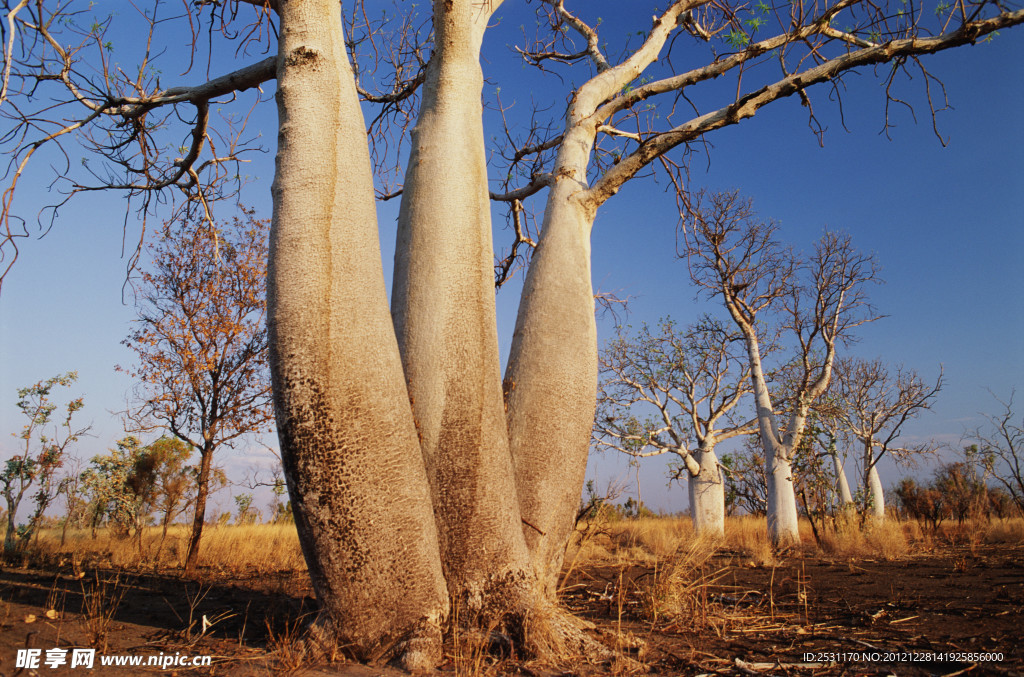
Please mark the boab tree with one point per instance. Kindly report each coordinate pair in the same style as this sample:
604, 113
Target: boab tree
812, 301
417, 475
201, 343
870, 404
690, 382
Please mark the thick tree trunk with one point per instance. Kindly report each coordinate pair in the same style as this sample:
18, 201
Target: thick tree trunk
199, 517
444, 313
351, 456
707, 495
876, 496
842, 485
551, 380
783, 522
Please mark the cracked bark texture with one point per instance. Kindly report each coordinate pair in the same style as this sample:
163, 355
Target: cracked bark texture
349, 447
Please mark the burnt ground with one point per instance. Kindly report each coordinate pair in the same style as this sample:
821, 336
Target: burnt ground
856, 617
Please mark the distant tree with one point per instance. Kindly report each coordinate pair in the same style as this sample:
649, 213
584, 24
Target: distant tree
671, 391
814, 302
280, 509
925, 504
871, 404
106, 479
201, 342
245, 512
76, 505
44, 442
746, 486
1001, 442
161, 483
963, 493
175, 484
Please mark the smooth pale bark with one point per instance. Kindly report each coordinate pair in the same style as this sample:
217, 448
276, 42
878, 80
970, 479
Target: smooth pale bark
707, 494
551, 377
551, 380
875, 493
783, 523
842, 485
443, 307
351, 455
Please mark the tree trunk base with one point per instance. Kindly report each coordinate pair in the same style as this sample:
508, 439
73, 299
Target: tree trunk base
532, 629
535, 628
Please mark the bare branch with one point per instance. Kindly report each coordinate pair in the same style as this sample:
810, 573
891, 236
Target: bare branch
746, 106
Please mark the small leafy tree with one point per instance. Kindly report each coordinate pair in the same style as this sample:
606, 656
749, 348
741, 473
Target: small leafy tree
107, 480
280, 509
245, 513
159, 481
168, 483
44, 441
201, 342
76, 505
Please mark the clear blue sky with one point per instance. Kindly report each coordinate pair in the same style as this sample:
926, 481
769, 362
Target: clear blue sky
945, 223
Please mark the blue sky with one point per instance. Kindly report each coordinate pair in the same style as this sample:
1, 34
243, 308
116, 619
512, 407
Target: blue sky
945, 223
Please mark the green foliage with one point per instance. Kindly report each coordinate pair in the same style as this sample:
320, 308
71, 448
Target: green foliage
127, 485
737, 38
245, 513
107, 481
45, 439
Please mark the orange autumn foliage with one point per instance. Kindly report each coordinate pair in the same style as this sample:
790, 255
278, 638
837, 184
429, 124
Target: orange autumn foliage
201, 339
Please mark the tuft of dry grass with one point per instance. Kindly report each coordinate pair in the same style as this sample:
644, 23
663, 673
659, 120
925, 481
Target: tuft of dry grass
677, 591
100, 599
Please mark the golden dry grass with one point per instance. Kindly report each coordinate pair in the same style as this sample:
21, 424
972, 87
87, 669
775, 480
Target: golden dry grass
881, 539
1004, 531
677, 590
256, 548
266, 548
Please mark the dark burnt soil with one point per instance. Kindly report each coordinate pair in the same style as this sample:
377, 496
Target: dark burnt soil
808, 615
852, 616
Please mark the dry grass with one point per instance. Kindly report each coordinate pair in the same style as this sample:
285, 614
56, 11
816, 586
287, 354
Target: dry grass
1005, 531
748, 535
100, 599
677, 591
256, 548
269, 548
882, 539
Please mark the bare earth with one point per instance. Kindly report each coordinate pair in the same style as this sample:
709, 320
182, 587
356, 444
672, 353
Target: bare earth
859, 617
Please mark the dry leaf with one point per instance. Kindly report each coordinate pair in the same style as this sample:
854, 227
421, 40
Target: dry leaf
30, 618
